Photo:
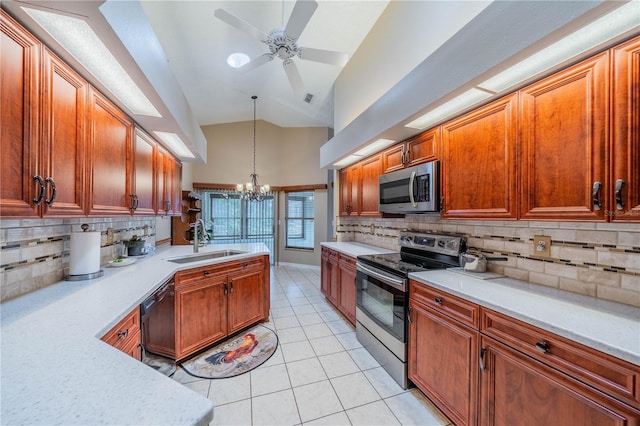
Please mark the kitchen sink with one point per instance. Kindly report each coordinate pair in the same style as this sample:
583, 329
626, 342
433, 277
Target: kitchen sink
204, 256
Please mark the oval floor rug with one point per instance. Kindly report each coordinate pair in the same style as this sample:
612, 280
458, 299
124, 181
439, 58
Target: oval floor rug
234, 356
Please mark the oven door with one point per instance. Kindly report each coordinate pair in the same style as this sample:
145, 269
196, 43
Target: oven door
381, 305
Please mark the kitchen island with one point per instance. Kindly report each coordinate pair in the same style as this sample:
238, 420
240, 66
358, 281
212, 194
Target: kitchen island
56, 370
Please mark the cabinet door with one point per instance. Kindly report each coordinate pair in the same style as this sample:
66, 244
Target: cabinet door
201, 314
564, 140
19, 132
517, 390
393, 158
110, 151
353, 179
143, 182
443, 362
347, 279
161, 181
345, 192
370, 170
63, 138
479, 163
334, 277
246, 298
625, 133
423, 147
325, 271
176, 194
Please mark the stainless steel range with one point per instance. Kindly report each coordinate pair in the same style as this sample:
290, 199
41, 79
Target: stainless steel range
382, 289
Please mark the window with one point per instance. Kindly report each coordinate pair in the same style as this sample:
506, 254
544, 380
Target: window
300, 220
232, 220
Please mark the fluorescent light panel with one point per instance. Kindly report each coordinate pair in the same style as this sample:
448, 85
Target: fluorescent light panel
620, 20
77, 37
175, 144
457, 104
374, 147
347, 160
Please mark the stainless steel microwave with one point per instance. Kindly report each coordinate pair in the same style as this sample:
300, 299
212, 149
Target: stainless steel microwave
411, 190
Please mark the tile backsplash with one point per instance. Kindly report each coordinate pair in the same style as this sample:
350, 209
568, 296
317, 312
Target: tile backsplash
596, 259
34, 253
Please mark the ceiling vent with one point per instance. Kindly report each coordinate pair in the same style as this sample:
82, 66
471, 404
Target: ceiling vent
308, 98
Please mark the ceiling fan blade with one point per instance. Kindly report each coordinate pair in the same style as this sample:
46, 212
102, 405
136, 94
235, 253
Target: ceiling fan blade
238, 23
300, 16
256, 62
325, 56
293, 75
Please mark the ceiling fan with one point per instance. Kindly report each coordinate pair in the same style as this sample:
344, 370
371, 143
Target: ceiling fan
282, 42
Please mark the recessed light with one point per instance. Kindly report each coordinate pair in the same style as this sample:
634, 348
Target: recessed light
236, 60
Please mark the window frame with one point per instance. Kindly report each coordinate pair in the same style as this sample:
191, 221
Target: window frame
303, 197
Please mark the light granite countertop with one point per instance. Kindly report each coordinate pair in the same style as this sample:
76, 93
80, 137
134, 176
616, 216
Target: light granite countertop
612, 328
55, 369
354, 249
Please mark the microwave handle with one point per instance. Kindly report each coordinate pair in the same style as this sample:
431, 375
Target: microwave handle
411, 183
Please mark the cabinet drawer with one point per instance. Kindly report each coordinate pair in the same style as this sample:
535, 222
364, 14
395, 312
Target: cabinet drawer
614, 376
454, 307
347, 262
194, 275
122, 334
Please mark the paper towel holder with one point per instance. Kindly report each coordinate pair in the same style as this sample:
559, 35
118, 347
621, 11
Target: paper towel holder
90, 276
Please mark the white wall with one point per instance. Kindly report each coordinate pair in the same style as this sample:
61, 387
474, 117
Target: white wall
284, 157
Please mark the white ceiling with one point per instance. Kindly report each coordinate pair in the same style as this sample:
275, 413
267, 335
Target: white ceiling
197, 45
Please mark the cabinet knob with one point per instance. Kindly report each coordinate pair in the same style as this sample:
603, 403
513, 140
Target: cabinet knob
123, 334
206, 273
542, 347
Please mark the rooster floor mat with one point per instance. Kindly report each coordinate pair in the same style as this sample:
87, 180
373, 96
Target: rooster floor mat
235, 356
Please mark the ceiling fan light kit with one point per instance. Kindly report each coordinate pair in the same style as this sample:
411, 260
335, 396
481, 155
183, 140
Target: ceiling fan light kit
282, 42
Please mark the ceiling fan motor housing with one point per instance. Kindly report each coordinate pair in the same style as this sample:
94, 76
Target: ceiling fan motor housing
280, 45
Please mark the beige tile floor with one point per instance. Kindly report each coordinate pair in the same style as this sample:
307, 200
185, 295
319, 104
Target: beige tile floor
319, 375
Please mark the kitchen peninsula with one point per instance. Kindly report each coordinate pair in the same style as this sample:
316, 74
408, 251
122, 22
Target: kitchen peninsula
57, 370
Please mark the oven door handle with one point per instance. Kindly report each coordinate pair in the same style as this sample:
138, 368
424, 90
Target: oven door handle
395, 282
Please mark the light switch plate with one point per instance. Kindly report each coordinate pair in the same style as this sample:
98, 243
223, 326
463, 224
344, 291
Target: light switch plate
109, 235
541, 246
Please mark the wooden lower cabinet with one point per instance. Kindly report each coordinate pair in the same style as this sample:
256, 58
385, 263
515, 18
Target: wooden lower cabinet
338, 275
347, 288
518, 390
443, 362
480, 367
125, 336
210, 303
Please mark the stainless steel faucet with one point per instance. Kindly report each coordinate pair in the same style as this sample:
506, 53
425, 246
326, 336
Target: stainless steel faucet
196, 242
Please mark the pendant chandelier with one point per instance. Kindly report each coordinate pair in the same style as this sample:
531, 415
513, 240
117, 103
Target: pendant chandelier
252, 190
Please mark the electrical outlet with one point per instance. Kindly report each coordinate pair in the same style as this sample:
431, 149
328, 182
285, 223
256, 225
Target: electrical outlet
109, 235
541, 246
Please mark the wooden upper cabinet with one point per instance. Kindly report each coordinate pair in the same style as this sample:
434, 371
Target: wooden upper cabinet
564, 144
161, 181
350, 190
479, 163
625, 132
143, 191
416, 150
19, 132
370, 170
110, 132
64, 138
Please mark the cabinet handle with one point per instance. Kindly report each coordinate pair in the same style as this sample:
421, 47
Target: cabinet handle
206, 273
54, 191
226, 289
619, 202
135, 201
123, 334
441, 204
438, 301
596, 200
38, 178
167, 205
409, 315
542, 347
245, 264
230, 287
483, 353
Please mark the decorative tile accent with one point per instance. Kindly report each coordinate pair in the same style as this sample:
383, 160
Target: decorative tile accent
34, 253
597, 259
